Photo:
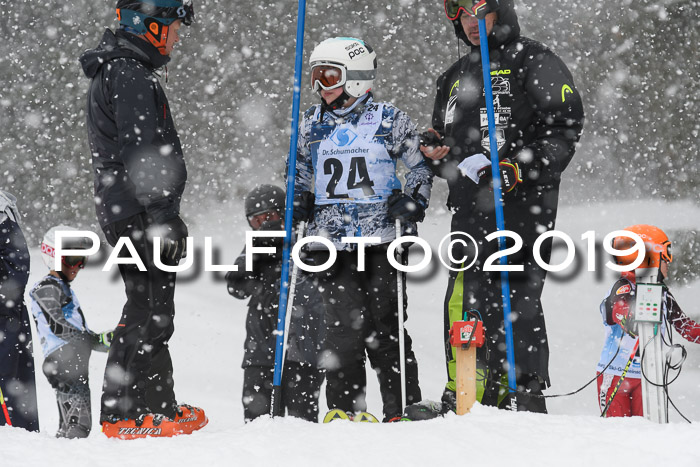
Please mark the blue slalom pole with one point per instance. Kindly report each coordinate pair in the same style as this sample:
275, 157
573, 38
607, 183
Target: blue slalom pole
276, 402
498, 199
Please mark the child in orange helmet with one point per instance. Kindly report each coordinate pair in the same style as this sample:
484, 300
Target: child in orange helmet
617, 310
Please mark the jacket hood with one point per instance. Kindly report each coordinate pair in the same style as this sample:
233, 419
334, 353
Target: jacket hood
121, 45
505, 29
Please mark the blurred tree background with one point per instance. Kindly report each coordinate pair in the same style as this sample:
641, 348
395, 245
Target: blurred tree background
635, 62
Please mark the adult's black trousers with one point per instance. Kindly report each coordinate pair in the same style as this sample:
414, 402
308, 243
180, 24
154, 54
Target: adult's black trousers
138, 378
481, 289
17, 380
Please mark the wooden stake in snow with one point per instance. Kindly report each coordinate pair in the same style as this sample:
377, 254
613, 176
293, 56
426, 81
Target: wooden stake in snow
466, 336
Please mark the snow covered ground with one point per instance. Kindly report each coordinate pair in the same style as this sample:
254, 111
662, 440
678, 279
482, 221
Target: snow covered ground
207, 352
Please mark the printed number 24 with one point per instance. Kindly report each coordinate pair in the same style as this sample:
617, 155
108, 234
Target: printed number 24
357, 178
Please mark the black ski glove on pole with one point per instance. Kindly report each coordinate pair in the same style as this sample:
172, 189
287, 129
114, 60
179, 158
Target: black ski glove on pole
303, 206
405, 208
510, 175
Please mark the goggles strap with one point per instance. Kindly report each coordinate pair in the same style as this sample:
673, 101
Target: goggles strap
361, 75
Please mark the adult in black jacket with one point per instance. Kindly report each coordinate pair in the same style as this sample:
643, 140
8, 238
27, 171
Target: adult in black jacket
301, 378
140, 176
539, 118
17, 381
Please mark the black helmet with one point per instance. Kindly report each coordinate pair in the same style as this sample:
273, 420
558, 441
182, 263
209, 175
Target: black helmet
264, 198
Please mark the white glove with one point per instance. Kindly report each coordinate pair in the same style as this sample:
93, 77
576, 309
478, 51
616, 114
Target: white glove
471, 166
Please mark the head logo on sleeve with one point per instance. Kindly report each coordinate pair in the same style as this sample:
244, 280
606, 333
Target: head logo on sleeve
566, 89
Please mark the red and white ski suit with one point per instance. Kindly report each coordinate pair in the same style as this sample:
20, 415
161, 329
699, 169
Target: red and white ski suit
628, 400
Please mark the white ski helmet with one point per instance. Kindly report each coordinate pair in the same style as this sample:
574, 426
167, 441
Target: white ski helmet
354, 58
48, 245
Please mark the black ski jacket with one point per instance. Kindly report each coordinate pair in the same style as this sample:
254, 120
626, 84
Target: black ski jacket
136, 153
16, 353
539, 114
262, 285
14, 262
539, 119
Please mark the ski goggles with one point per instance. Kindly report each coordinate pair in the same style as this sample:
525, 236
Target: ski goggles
453, 8
665, 252
185, 13
74, 261
327, 77
257, 220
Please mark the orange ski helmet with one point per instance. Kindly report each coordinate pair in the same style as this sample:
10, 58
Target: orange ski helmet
656, 242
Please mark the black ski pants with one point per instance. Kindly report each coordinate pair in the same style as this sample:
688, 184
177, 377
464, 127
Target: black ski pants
362, 321
17, 381
138, 378
301, 386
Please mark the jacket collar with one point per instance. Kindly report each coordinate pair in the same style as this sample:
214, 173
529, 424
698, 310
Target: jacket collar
121, 45
148, 53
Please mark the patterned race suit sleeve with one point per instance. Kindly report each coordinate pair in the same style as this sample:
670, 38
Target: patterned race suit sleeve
51, 300
404, 145
304, 166
686, 327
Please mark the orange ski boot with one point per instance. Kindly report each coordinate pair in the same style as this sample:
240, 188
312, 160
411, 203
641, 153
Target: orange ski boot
190, 418
144, 426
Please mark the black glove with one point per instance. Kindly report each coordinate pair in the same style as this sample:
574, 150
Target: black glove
430, 138
173, 245
303, 206
405, 208
106, 338
510, 175
242, 284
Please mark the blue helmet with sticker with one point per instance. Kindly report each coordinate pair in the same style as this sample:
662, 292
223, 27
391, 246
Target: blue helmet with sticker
152, 18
